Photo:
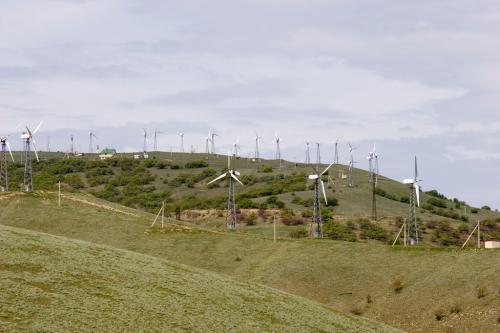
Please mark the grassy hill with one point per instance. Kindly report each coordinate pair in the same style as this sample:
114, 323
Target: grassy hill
416, 289
181, 181
54, 284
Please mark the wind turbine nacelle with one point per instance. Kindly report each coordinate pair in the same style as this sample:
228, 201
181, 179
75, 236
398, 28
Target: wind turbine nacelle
313, 177
408, 181
25, 136
237, 173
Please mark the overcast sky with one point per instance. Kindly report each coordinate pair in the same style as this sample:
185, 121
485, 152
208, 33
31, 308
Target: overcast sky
416, 77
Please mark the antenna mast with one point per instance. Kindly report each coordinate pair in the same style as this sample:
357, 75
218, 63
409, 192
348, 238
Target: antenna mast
4, 177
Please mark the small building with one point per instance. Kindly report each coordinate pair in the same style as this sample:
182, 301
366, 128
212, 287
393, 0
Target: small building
107, 153
492, 245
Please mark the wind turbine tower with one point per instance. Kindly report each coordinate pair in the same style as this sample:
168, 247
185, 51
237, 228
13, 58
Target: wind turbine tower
91, 143
412, 183
278, 149
145, 142
155, 146
182, 141
373, 179
28, 140
257, 148
72, 144
4, 176
318, 154
351, 165
207, 142
317, 222
212, 141
231, 202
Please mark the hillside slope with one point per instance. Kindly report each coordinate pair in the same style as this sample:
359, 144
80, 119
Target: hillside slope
54, 284
353, 277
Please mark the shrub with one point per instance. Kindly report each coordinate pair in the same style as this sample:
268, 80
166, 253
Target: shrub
482, 292
251, 219
456, 309
266, 169
371, 230
74, 180
474, 210
486, 207
336, 231
196, 164
299, 233
356, 310
369, 299
439, 314
437, 202
397, 286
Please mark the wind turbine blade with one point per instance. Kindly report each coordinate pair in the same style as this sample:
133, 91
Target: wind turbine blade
218, 178
235, 178
10, 151
327, 169
34, 148
38, 127
324, 192
417, 191
416, 168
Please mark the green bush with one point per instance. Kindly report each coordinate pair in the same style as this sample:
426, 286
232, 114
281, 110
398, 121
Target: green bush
437, 202
196, 164
336, 231
298, 233
371, 230
74, 180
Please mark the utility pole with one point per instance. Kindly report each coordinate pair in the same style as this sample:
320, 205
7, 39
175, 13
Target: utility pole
59, 196
274, 229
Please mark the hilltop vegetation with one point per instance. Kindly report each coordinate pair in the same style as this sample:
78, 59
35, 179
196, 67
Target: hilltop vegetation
403, 287
54, 284
180, 180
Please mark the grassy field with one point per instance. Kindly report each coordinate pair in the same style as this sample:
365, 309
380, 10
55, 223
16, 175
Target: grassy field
54, 284
406, 288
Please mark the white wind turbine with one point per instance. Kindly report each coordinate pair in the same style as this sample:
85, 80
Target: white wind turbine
231, 202
4, 176
28, 139
91, 144
257, 146
413, 204
155, 146
145, 142
236, 147
182, 141
351, 163
319, 185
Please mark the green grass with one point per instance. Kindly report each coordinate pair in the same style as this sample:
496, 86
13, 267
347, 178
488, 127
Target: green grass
337, 274
54, 284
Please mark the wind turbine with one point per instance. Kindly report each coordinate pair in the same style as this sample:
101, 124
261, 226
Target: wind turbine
277, 139
182, 141
207, 142
414, 203
145, 142
257, 148
213, 135
72, 144
351, 165
29, 140
373, 179
318, 154
231, 202
317, 222
236, 147
155, 146
91, 144
4, 177
336, 158
308, 155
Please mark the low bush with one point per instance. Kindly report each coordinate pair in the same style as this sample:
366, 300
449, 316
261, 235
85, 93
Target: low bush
439, 314
298, 233
397, 286
336, 231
